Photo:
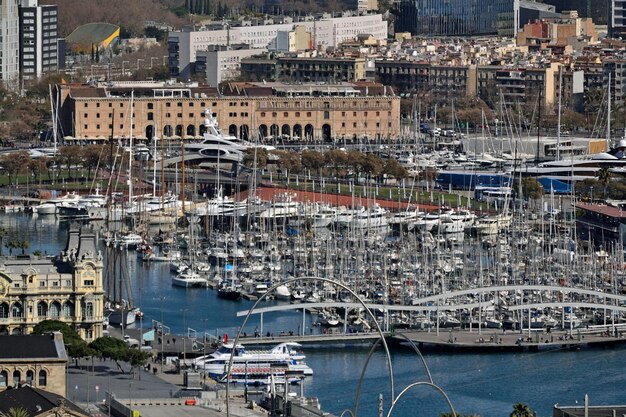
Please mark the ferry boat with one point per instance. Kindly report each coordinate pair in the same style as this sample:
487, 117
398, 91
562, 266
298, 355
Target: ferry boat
253, 367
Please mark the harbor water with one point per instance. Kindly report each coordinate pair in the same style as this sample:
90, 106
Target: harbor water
485, 384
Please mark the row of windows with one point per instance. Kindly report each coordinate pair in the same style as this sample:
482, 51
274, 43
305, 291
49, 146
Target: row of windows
308, 114
53, 310
17, 378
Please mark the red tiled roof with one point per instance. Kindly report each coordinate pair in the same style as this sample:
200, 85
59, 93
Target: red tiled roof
603, 209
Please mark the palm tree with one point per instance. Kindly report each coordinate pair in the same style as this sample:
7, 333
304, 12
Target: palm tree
604, 176
521, 410
16, 412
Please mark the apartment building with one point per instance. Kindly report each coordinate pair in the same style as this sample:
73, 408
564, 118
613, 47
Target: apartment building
326, 32
319, 69
9, 43
38, 39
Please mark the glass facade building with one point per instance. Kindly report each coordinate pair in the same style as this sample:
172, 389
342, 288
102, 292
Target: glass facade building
456, 17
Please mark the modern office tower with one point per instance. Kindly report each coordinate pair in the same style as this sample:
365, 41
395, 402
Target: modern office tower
9, 43
617, 18
467, 17
38, 39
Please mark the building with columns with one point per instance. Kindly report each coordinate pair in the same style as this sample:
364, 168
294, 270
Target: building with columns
67, 288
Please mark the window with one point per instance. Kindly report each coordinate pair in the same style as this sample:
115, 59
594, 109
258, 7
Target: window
86, 105
85, 127
30, 376
168, 104
308, 114
285, 114
354, 124
191, 104
86, 115
68, 310
55, 310
191, 115
262, 114
179, 104
43, 378
326, 115
4, 376
17, 376
180, 115
150, 106
16, 311
297, 114
42, 309
89, 283
4, 311
274, 114
150, 116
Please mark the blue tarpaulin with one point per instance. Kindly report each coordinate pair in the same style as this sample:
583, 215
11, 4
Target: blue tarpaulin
552, 185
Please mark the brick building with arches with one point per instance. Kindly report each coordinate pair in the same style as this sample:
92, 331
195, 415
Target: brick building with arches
250, 111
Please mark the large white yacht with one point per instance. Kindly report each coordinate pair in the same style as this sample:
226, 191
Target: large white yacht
253, 366
216, 146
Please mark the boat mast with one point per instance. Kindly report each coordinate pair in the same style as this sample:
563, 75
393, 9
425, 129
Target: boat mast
558, 122
130, 152
608, 122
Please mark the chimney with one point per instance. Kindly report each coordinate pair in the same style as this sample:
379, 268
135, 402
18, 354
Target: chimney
57, 336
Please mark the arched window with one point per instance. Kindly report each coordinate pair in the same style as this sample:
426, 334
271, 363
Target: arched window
191, 130
42, 309
30, 377
4, 311
68, 310
43, 378
17, 376
167, 131
4, 376
179, 130
16, 311
55, 310
232, 130
87, 309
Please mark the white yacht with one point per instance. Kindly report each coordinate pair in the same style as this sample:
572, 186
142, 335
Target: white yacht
188, 279
216, 148
253, 367
49, 207
374, 217
425, 223
281, 208
492, 225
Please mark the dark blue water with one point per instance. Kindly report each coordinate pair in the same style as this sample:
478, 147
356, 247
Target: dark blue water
485, 384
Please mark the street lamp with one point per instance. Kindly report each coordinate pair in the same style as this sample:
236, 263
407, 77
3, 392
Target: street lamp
184, 311
162, 333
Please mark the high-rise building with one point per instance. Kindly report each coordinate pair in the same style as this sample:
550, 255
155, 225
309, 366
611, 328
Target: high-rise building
38, 39
595, 9
9, 43
617, 18
467, 17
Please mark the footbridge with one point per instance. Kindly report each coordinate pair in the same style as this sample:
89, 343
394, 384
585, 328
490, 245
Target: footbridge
557, 297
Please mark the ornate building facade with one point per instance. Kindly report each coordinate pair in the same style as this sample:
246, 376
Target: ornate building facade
67, 288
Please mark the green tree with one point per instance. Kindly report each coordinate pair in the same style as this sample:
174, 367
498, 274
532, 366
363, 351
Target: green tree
372, 165
394, 169
313, 160
289, 162
337, 160
531, 188
38, 166
70, 156
14, 164
521, 410
91, 156
76, 347
261, 157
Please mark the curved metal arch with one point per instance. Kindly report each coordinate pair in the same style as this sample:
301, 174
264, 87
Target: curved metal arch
289, 281
346, 411
415, 384
369, 356
519, 287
